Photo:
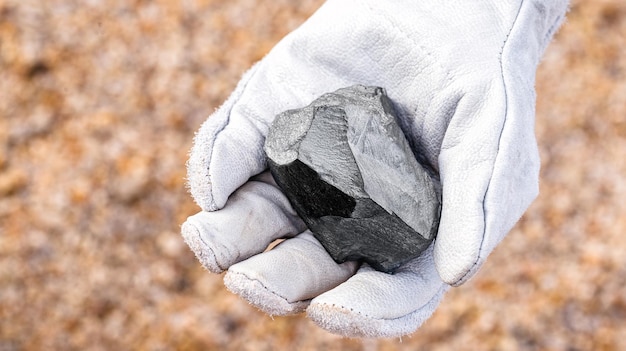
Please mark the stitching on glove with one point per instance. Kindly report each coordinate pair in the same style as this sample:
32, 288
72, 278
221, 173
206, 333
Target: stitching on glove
211, 253
252, 71
251, 280
444, 287
200, 248
473, 268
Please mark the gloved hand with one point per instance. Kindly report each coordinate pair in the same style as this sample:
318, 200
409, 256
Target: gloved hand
461, 75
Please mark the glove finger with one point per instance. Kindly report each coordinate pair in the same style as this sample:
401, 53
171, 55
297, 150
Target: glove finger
283, 280
489, 168
376, 304
227, 150
255, 215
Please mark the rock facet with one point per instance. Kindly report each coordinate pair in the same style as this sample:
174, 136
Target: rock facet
349, 172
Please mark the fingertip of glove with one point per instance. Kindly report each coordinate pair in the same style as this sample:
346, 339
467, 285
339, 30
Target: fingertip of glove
468, 274
261, 297
345, 321
348, 322
453, 270
204, 253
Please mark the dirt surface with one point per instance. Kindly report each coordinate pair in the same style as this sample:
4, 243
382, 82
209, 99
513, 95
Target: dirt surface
99, 101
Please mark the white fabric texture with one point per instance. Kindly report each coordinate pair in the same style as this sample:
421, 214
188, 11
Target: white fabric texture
277, 275
386, 313
461, 76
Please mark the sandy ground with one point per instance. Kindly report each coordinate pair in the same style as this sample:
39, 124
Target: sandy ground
99, 101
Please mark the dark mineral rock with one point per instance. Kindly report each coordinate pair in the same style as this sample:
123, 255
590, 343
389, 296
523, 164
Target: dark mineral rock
349, 172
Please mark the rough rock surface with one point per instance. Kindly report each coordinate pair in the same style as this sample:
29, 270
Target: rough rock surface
350, 174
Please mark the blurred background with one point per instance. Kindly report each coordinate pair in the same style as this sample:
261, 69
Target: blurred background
99, 101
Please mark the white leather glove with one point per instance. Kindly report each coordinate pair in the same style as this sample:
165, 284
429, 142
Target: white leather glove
461, 75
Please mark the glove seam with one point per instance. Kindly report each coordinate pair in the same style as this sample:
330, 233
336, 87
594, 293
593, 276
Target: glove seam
442, 289
268, 289
470, 271
212, 252
213, 205
205, 253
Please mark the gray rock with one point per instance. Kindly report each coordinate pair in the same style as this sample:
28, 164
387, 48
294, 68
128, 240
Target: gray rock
349, 172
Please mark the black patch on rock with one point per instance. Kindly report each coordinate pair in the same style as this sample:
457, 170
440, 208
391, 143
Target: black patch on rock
309, 194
